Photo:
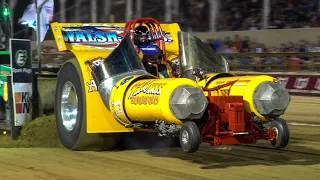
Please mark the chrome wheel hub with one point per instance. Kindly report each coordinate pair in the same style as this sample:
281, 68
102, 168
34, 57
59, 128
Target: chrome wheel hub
275, 131
185, 137
69, 106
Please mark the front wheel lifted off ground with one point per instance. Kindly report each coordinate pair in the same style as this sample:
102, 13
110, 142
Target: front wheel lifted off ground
70, 110
189, 137
282, 133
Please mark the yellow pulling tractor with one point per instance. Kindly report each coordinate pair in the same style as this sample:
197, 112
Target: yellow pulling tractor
186, 92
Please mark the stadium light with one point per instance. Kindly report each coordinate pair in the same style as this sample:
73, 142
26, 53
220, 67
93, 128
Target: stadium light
6, 12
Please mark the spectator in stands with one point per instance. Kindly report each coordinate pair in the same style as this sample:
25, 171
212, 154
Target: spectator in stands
247, 15
294, 14
245, 44
237, 42
240, 15
219, 44
315, 47
273, 62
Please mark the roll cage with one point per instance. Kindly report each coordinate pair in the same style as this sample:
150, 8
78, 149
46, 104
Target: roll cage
155, 30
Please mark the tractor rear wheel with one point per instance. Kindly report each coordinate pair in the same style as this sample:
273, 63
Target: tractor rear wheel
70, 110
189, 137
282, 133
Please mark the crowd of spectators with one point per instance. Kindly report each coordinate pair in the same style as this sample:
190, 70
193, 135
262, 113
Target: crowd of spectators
239, 44
238, 15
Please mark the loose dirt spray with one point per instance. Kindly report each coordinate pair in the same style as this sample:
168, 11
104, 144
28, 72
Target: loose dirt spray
41, 132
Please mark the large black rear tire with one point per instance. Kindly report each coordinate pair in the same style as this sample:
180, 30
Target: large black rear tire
73, 135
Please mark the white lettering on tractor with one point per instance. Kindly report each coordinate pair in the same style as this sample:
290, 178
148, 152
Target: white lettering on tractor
92, 86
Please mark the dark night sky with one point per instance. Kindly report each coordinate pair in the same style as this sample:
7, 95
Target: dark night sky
17, 13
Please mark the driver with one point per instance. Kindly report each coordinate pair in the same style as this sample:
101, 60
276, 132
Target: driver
152, 54
141, 36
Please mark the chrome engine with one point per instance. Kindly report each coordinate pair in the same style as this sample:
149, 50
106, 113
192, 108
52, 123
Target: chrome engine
165, 129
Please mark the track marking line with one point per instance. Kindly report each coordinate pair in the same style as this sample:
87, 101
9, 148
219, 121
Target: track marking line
303, 124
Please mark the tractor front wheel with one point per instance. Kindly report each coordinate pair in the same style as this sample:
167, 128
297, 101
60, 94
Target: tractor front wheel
189, 137
282, 135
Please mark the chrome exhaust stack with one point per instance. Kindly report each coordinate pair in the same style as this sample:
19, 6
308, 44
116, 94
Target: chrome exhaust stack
122, 62
271, 99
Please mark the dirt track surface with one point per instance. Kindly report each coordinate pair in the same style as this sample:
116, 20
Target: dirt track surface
300, 160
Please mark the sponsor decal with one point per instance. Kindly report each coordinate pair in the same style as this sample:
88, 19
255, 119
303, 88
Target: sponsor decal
22, 102
283, 80
145, 100
20, 62
224, 92
237, 83
105, 36
92, 86
21, 58
147, 88
117, 108
317, 85
22, 70
301, 83
146, 93
126, 80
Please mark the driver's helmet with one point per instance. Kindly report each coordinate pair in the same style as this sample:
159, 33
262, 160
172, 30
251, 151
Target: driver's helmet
141, 34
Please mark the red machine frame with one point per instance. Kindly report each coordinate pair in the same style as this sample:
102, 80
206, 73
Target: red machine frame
214, 133
230, 109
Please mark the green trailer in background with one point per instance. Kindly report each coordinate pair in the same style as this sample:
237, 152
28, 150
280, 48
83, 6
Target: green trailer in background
5, 78
4, 72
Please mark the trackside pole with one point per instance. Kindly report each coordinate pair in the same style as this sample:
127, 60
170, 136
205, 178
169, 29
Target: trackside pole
38, 32
14, 130
35, 98
128, 10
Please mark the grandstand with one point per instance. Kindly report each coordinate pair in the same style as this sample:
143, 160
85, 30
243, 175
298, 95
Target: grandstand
238, 20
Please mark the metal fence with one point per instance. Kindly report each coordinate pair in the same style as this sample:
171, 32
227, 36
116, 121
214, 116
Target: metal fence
274, 62
255, 62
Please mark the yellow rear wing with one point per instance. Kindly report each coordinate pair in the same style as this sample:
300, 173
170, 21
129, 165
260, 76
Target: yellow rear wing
104, 36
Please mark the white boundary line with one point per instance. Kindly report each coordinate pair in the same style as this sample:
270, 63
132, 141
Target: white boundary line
303, 124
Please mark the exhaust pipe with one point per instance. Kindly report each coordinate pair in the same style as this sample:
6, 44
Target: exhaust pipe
271, 99
106, 77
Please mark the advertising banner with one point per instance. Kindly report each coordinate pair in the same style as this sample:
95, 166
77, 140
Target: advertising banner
21, 64
299, 84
